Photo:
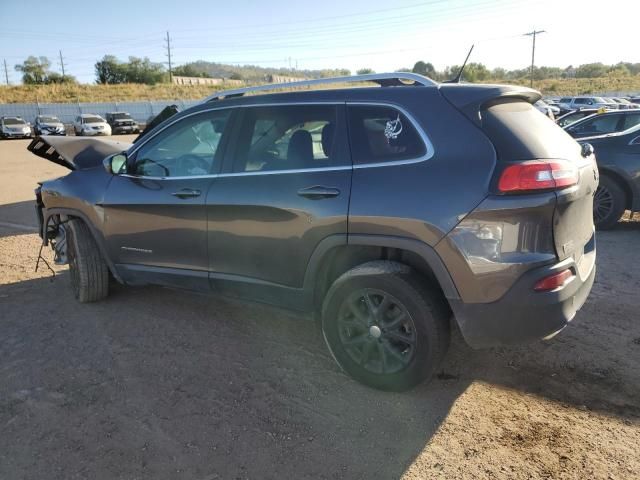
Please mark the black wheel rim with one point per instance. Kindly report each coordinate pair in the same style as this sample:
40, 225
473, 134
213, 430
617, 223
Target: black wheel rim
602, 204
377, 331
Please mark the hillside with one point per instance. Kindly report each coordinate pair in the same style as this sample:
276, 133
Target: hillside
134, 92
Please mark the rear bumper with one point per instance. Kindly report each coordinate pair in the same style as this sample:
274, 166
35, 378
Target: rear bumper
523, 315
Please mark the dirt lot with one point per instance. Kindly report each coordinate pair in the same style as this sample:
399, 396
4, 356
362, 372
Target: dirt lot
161, 384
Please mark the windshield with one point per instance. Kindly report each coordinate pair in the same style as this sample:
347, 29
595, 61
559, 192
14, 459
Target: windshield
49, 119
600, 100
14, 121
122, 116
92, 120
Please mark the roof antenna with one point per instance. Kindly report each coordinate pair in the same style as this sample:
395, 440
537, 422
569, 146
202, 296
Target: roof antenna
457, 78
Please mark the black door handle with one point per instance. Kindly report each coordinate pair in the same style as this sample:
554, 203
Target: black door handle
186, 193
318, 191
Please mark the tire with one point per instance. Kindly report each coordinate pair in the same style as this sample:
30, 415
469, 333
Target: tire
609, 203
403, 342
88, 271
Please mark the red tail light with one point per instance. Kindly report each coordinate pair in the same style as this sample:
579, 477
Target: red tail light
537, 175
553, 281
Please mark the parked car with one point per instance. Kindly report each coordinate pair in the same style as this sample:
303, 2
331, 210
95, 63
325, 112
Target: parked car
625, 104
14, 127
575, 115
48, 125
603, 123
122, 122
576, 103
383, 210
549, 110
618, 156
91, 124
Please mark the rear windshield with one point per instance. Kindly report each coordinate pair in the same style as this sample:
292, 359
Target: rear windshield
520, 132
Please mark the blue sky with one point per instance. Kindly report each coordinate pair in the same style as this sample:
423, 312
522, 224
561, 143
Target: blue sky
383, 35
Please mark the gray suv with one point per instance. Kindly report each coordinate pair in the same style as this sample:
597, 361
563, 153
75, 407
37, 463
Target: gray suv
394, 213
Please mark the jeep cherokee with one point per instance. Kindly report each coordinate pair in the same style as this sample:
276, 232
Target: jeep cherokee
393, 212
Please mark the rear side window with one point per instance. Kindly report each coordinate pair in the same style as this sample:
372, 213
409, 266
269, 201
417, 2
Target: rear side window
598, 125
519, 131
287, 137
382, 134
631, 121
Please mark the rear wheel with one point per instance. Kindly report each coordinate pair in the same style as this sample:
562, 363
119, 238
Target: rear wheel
385, 326
88, 271
608, 203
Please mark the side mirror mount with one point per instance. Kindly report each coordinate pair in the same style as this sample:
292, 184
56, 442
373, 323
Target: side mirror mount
115, 164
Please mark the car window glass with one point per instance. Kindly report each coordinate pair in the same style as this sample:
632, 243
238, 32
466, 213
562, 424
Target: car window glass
580, 100
286, 137
187, 148
631, 121
604, 124
382, 134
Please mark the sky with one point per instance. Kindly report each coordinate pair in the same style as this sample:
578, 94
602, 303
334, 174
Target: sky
382, 35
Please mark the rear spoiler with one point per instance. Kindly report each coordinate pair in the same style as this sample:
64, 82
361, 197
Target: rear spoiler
471, 99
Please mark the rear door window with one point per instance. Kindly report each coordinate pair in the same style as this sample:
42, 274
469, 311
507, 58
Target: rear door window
598, 125
382, 134
287, 137
631, 121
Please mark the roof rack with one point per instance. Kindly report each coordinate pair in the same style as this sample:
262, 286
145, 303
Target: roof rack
382, 79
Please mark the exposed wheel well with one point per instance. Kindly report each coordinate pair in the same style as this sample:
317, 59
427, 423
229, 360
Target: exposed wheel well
345, 257
622, 183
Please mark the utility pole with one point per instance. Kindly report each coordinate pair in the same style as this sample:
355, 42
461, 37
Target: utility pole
6, 72
168, 40
61, 64
533, 49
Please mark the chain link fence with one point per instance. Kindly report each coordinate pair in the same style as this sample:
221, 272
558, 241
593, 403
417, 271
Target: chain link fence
142, 112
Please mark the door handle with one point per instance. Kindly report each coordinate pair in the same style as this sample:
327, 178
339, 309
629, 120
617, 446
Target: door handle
186, 193
317, 192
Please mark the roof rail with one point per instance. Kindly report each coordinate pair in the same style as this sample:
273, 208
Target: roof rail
382, 79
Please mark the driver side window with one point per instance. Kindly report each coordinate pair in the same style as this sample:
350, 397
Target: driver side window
185, 149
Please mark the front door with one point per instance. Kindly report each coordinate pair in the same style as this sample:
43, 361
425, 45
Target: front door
285, 187
155, 215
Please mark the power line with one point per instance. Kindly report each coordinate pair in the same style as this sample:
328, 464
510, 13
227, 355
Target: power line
169, 57
533, 49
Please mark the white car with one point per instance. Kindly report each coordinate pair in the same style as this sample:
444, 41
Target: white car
14, 127
91, 124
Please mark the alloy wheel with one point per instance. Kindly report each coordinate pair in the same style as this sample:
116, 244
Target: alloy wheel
602, 203
377, 331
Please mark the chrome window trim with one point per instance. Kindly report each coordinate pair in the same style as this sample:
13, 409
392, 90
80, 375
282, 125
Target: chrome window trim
430, 150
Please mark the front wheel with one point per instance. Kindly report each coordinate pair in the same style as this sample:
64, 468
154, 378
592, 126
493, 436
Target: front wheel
88, 271
385, 325
608, 204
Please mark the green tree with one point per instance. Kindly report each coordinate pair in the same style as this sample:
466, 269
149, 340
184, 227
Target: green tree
364, 71
426, 69
34, 70
110, 71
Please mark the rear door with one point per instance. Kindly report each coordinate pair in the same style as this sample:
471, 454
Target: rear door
285, 188
155, 216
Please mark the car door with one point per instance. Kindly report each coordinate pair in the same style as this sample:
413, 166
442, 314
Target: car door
155, 217
285, 188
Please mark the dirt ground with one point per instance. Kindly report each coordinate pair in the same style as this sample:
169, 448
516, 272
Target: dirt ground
160, 384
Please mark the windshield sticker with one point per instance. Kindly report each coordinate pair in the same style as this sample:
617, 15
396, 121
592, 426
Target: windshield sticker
393, 128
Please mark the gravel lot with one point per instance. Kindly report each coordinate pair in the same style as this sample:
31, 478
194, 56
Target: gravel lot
160, 384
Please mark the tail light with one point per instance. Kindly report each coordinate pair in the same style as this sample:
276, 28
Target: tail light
537, 175
554, 281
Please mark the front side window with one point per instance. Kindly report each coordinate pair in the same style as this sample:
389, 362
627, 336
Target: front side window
581, 101
598, 125
631, 121
286, 137
187, 148
382, 134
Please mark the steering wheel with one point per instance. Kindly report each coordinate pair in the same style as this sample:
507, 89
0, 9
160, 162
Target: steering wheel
190, 161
